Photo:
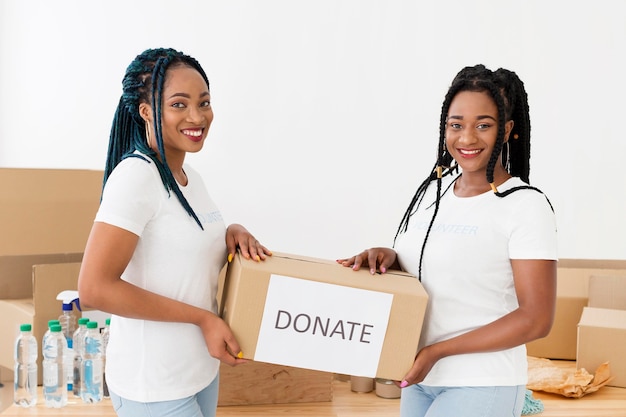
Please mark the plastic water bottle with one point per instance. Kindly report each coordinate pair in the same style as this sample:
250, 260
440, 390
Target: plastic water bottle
91, 373
78, 343
25, 377
68, 323
47, 333
105, 342
54, 384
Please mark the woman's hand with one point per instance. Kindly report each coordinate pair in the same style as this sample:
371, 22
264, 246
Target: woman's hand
238, 236
220, 340
424, 361
380, 259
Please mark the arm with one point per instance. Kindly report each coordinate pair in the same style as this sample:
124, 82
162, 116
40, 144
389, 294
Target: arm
108, 252
535, 284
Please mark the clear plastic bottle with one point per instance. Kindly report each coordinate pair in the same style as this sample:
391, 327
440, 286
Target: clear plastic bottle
68, 322
105, 342
47, 333
78, 343
91, 373
25, 377
54, 384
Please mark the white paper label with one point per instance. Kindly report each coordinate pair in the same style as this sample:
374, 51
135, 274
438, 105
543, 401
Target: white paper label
325, 327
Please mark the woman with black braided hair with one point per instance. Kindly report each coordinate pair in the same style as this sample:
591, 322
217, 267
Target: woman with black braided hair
158, 244
483, 243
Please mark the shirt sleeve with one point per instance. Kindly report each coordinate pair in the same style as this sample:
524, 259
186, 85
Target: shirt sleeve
534, 232
131, 195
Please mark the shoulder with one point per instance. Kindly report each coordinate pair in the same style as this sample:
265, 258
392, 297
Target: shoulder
136, 171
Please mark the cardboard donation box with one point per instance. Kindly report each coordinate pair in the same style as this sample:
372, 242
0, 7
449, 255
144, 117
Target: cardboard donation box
602, 328
45, 218
316, 314
572, 295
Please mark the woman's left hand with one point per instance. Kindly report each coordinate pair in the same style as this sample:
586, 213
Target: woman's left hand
424, 361
238, 236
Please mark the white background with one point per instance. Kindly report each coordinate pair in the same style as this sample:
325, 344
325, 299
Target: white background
326, 111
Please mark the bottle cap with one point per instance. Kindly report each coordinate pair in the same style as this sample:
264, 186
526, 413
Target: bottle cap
92, 325
26, 328
55, 328
51, 322
108, 321
83, 320
68, 307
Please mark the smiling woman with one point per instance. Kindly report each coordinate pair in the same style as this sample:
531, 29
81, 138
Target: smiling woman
153, 261
483, 243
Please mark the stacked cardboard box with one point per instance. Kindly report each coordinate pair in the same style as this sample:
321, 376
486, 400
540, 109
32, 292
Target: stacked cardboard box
602, 328
45, 218
573, 277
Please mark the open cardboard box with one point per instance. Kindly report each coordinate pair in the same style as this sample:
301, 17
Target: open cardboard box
602, 328
316, 314
573, 277
45, 218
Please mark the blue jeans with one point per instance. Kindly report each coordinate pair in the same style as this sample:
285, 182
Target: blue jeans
425, 401
202, 404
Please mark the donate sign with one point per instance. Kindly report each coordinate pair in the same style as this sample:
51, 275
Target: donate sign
321, 326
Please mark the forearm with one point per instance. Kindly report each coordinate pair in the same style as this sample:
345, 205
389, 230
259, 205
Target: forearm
514, 329
125, 299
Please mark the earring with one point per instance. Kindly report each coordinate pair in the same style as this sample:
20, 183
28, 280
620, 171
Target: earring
147, 135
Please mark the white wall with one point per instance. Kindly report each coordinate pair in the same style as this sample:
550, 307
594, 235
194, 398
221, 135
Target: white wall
327, 111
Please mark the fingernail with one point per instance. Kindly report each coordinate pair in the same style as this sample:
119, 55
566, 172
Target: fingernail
372, 271
258, 258
383, 269
230, 257
240, 355
354, 267
403, 384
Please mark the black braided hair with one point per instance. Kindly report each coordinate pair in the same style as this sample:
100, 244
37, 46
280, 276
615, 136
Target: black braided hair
509, 95
143, 83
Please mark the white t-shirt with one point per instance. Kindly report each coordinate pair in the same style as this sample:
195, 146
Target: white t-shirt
157, 361
467, 273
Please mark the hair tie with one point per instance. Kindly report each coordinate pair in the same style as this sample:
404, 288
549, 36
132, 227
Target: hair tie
493, 187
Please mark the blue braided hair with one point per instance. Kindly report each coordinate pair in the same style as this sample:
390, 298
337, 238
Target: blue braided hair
143, 83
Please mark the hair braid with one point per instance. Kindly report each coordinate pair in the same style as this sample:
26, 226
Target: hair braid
143, 83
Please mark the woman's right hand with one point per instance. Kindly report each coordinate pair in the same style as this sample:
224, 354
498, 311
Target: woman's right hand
377, 259
221, 341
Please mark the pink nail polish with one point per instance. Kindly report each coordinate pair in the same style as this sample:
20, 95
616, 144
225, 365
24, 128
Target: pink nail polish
404, 384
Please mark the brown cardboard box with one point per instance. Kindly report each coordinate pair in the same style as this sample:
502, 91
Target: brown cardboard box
45, 217
247, 295
607, 292
48, 281
257, 383
602, 338
573, 277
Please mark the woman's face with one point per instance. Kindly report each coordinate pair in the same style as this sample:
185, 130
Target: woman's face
186, 112
471, 130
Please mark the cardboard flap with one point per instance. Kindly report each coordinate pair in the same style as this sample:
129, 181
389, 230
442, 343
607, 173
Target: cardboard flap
606, 291
48, 281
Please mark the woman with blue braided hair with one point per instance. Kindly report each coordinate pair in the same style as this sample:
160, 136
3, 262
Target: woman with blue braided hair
158, 244
483, 243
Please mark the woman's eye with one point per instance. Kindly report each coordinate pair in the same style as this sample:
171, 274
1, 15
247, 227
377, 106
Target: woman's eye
206, 104
178, 105
483, 126
455, 125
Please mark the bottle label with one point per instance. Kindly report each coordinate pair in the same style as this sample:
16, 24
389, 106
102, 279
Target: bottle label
50, 375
